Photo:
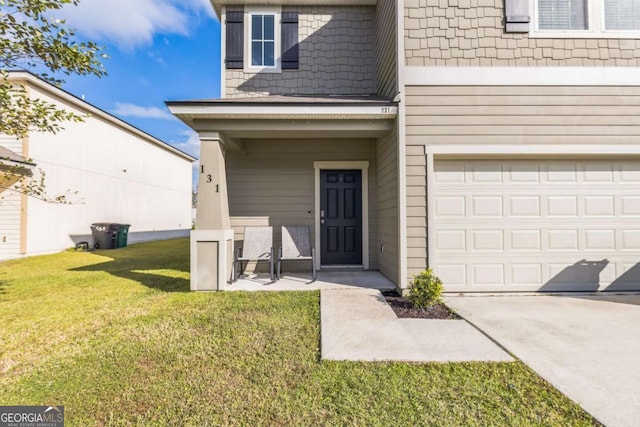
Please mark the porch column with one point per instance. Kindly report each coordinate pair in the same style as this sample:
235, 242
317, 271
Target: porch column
212, 239
213, 201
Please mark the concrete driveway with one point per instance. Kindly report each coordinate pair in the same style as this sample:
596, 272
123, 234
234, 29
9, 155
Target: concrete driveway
586, 346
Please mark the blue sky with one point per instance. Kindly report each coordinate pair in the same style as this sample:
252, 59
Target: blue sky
159, 50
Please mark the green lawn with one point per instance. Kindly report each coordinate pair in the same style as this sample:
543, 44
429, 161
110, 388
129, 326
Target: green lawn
117, 339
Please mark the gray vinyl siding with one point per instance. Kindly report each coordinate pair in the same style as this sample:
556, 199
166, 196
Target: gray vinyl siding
387, 205
484, 115
336, 56
386, 48
10, 209
272, 182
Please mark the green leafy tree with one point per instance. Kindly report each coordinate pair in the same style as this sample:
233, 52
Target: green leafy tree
31, 39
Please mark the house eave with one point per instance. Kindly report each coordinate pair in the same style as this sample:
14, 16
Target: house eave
190, 112
218, 4
288, 121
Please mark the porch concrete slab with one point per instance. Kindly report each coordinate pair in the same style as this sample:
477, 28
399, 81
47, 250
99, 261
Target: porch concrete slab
304, 281
586, 346
359, 325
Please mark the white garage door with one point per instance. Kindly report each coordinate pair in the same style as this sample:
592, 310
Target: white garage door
513, 225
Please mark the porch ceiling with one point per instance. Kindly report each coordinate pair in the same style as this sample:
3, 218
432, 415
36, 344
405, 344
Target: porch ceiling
290, 116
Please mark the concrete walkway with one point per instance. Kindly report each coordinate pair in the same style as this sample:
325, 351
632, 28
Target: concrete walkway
358, 325
588, 347
304, 281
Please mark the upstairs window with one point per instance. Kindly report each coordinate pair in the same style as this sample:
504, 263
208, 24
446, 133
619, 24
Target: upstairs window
562, 15
263, 42
587, 18
622, 15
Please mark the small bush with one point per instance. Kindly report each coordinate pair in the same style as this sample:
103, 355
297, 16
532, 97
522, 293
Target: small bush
425, 290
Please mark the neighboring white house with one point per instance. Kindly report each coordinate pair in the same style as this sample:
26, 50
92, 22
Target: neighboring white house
110, 171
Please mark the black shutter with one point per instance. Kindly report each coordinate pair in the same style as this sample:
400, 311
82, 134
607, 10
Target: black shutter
235, 40
516, 17
289, 28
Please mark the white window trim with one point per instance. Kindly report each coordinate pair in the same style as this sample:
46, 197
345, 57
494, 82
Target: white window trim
595, 19
363, 166
248, 13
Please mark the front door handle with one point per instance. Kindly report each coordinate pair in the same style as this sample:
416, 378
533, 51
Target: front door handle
322, 221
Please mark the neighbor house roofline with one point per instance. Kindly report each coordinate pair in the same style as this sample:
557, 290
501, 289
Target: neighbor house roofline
32, 79
8, 157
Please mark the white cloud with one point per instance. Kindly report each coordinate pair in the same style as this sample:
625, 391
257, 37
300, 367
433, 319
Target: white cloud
133, 23
190, 145
126, 109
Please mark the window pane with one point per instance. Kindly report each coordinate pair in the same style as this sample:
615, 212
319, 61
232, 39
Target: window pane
256, 53
269, 60
622, 14
562, 15
268, 27
256, 27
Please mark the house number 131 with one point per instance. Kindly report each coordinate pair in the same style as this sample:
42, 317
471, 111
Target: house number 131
209, 179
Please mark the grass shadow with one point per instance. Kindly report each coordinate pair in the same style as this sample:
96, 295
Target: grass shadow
162, 265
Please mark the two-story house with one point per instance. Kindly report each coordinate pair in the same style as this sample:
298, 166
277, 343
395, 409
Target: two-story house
495, 141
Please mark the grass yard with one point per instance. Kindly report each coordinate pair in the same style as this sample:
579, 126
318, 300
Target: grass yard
117, 338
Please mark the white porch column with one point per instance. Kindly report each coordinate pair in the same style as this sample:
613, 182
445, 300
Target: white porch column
212, 240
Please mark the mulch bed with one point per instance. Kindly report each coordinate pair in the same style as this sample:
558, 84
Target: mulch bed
404, 309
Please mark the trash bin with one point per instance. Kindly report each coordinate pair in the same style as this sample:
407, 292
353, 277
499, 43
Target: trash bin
123, 232
105, 235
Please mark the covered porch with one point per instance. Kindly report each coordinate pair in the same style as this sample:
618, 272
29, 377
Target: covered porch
327, 163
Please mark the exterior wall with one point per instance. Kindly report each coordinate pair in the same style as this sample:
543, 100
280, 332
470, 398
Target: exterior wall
387, 205
471, 32
386, 48
271, 182
10, 209
495, 115
119, 177
336, 48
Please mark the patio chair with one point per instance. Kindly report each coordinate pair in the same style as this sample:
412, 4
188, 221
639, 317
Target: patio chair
296, 245
257, 246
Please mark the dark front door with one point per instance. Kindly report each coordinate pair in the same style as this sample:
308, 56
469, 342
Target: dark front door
341, 217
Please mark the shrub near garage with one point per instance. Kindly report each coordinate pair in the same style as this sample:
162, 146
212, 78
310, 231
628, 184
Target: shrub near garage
425, 290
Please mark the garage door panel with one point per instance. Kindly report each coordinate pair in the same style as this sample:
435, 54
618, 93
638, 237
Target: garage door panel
526, 274
450, 206
564, 205
487, 274
451, 240
599, 240
540, 225
562, 240
629, 172
454, 275
483, 206
630, 240
598, 171
630, 205
526, 240
487, 240
527, 206
523, 172
560, 171
599, 205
